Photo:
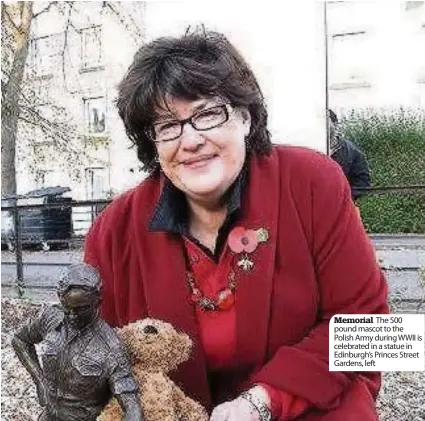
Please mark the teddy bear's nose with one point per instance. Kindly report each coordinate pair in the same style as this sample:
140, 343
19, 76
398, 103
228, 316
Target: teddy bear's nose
150, 329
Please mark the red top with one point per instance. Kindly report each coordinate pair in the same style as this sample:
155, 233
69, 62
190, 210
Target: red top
317, 262
218, 328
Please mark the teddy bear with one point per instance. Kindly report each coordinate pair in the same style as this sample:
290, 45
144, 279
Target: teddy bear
155, 348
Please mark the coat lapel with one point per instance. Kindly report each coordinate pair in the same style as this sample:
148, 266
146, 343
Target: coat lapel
260, 210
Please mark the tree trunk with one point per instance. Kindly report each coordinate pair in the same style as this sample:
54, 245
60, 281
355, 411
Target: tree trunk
10, 100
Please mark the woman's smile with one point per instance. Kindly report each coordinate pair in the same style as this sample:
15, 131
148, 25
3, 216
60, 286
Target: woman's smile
200, 161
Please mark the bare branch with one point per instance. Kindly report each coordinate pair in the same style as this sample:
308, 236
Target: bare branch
21, 9
122, 16
51, 128
65, 43
29, 107
9, 18
25, 120
59, 134
46, 9
26, 18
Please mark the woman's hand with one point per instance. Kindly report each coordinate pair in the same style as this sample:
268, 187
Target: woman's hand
250, 406
236, 410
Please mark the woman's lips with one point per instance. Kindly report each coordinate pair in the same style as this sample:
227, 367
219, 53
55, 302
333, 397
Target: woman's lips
198, 162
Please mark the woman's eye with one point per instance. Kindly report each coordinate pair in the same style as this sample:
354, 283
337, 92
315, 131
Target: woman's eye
166, 126
208, 114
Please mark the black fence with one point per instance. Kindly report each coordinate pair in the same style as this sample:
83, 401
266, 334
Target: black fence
44, 226
398, 190
63, 224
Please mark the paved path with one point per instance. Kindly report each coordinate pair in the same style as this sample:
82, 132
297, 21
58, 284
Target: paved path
402, 258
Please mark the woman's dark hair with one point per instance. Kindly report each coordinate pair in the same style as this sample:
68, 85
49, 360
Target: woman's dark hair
196, 65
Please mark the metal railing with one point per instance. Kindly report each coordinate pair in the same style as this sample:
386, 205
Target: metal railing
391, 190
82, 215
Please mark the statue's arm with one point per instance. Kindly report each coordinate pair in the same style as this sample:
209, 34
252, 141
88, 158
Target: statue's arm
123, 384
130, 405
23, 343
27, 355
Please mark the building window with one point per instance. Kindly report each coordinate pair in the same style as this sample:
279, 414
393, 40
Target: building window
44, 53
95, 115
413, 4
348, 34
350, 60
91, 48
96, 183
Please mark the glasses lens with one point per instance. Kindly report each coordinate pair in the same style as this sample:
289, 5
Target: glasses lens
163, 132
210, 118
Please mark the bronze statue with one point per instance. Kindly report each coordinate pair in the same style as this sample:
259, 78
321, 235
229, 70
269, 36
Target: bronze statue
83, 361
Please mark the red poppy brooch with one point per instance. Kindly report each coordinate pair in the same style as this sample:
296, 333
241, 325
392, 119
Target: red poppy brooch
245, 241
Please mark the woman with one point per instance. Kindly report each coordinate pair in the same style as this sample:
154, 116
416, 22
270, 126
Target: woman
249, 248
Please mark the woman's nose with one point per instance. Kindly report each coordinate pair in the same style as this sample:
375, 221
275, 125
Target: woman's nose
191, 138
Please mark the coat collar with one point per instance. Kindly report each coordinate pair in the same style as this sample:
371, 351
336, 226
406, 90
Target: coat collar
168, 296
171, 213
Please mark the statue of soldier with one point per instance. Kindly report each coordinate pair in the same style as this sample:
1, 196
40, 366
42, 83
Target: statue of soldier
83, 360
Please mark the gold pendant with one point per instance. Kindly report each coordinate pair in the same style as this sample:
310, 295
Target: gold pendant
245, 263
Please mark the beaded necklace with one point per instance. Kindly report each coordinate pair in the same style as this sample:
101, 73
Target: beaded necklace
224, 300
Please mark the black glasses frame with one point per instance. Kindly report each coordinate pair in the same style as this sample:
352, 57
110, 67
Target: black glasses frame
150, 129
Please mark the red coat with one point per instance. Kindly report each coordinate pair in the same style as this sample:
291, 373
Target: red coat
317, 262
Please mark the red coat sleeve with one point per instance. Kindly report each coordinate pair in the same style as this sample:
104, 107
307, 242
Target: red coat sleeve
107, 249
284, 406
99, 256
349, 281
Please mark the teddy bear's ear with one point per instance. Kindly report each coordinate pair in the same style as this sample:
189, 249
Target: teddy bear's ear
125, 333
184, 345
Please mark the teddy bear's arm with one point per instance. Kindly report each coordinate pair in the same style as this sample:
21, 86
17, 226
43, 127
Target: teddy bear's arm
187, 408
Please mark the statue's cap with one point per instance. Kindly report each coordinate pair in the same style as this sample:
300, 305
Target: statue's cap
79, 275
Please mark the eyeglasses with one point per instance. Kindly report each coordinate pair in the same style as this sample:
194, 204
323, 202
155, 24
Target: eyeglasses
166, 131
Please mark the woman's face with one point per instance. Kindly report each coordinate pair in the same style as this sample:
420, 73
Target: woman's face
203, 163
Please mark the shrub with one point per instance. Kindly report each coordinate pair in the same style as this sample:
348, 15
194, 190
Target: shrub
394, 143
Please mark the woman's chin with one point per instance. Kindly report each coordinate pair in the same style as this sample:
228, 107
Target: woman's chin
203, 184
204, 191
207, 189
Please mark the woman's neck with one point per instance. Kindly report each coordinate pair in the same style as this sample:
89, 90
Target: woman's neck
209, 216
205, 220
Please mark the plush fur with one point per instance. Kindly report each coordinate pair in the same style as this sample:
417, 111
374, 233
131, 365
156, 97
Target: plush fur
156, 348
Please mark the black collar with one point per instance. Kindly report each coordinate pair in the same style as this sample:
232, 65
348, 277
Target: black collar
171, 213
